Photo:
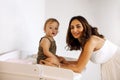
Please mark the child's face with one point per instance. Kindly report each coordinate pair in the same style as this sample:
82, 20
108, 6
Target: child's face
51, 29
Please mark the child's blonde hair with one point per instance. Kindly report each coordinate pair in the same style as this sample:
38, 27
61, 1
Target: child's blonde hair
50, 20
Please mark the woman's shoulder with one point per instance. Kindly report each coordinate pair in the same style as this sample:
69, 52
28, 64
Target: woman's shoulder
93, 39
98, 41
96, 38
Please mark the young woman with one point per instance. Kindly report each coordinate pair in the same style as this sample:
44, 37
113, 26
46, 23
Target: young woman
94, 46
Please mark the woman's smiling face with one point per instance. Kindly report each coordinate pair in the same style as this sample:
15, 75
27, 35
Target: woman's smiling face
76, 28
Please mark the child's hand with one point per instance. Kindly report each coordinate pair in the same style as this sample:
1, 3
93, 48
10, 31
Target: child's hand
50, 62
62, 59
44, 62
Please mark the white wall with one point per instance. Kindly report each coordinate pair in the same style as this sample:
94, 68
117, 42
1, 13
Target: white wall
7, 25
106, 15
103, 13
21, 23
30, 18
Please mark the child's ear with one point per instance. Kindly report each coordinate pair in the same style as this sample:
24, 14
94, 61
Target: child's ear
44, 30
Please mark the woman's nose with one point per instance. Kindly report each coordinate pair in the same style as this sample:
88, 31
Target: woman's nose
75, 29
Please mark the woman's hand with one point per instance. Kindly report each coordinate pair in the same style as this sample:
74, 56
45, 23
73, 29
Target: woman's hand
61, 59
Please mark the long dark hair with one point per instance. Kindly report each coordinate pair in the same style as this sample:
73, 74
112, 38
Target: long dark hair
88, 31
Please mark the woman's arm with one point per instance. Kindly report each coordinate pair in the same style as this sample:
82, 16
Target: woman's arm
84, 57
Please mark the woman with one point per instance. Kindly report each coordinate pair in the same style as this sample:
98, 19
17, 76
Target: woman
94, 46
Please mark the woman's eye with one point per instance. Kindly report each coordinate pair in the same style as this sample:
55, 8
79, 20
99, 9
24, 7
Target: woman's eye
78, 26
71, 27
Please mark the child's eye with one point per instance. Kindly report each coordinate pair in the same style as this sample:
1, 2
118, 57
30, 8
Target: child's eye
56, 28
50, 27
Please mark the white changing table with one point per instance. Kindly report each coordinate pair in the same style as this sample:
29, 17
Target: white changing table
23, 71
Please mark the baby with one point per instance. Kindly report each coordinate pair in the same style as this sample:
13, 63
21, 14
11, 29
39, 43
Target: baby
47, 46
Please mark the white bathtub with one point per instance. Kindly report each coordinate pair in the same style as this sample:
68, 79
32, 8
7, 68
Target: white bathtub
14, 68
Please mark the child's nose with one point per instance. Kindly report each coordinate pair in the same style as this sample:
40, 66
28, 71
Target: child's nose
53, 30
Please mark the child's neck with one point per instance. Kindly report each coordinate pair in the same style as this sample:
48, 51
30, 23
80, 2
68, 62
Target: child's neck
49, 37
